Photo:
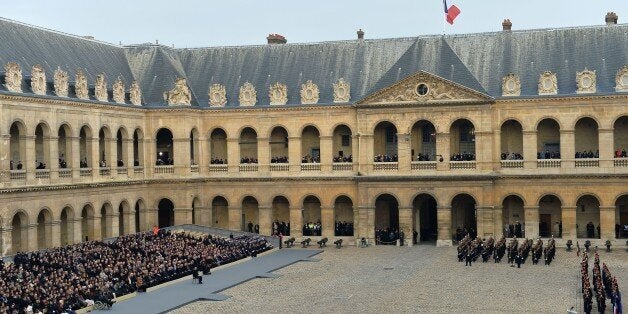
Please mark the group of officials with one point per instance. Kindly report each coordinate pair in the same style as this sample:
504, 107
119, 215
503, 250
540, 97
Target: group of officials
469, 250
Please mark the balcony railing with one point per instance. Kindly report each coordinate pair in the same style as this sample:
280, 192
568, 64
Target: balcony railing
310, 167
218, 168
386, 166
104, 171
248, 167
342, 166
85, 172
423, 165
511, 164
138, 170
42, 173
279, 167
462, 164
18, 174
122, 170
65, 173
620, 162
587, 162
548, 163
164, 169
194, 168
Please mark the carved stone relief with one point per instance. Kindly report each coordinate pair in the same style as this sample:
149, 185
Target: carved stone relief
248, 95
80, 86
217, 95
13, 77
61, 83
586, 81
621, 79
135, 94
309, 93
548, 84
342, 91
38, 80
278, 94
100, 90
511, 85
118, 91
180, 94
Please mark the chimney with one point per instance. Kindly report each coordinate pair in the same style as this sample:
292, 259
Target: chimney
360, 34
276, 39
507, 25
611, 18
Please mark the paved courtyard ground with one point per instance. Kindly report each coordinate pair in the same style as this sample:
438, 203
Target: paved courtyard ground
422, 278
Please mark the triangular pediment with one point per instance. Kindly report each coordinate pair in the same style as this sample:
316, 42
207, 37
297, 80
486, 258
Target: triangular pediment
425, 88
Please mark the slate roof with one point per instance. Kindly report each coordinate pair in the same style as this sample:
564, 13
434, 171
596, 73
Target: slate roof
477, 61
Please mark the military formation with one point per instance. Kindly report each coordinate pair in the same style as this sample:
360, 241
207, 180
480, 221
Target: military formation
469, 250
604, 285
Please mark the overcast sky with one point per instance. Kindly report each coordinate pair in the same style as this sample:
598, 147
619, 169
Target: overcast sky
198, 23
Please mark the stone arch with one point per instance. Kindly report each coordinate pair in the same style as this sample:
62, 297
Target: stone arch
220, 212
122, 136
42, 145
107, 220
44, 228
281, 214
462, 140
422, 140
548, 138
342, 142
218, 146
312, 215
511, 140
104, 147
344, 219
66, 221
165, 212
64, 145
19, 232
464, 215
141, 223
620, 137
513, 217
196, 212
126, 217
424, 216
386, 218
550, 213
588, 216
275, 126
385, 142
310, 144
250, 213
586, 138
279, 143
17, 144
164, 146
248, 145
85, 147
621, 216
88, 230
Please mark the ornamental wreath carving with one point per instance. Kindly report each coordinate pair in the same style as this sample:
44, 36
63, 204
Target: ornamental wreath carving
61, 83
548, 84
180, 94
621, 79
135, 94
118, 91
217, 95
278, 94
100, 90
248, 95
13, 77
342, 91
511, 85
80, 86
38, 80
586, 82
309, 93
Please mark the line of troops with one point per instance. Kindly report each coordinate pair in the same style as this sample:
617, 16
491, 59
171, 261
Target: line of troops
604, 285
469, 250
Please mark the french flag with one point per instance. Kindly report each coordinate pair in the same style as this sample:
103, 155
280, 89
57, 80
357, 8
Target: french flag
451, 12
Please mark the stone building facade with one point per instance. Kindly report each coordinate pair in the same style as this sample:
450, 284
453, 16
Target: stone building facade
430, 134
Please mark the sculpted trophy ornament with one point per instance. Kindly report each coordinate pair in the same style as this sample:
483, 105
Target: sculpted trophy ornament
118, 91
180, 94
511, 85
100, 90
217, 95
309, 93
13, 77
80, 86
278, 94
342, 91
621, 79
38, 80
135, 94
61, 83
586, 82
548, 84
248, 95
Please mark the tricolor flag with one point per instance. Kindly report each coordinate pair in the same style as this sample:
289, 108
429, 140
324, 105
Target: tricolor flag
451, 12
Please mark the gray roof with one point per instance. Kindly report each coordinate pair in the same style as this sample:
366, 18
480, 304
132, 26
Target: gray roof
477, 61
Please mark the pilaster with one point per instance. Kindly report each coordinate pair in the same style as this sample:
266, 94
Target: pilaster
442, 149
182, 158
327, 147
182, 215
327, 221
567, 149
529, 149
265, 220
235, 218
55, 227
296, 219
606, 146
263, 156
294, 155
406, 223
532, 220
404, 151
484, 216
607, 222
443, 214
569, 222
233, 156
365, 156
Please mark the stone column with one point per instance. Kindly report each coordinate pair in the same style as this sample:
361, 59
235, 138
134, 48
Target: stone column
442, 149
129, 161
296, 220
294, 155
93, 161
443, 214
150, 218
112, 157
233, 155
77, 231
204, 215
182, 215
365, 156
53, 162
182, 158
5, 240
485, 221
406, 223
150, 157
529, 149
327, 153
55, 227
29, 160
263, 156
355, 151
5, 146
114, 223
129, 222
235, 218
607, 151
498, 222
607, 222
265, 220
483, 150
201, 146
366, 219
496, 155
532, 219
404, 151
327, 221
569, 222
567, 149
74, 161
33, 240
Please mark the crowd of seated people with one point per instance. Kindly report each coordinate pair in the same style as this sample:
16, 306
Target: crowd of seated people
40, 165
248, 160
164, 162
218, 161
386, 236
307, 159
279, 160
512, 156
312, 229
69, 278
462, 157
339, 158
282, 228
548, 155
422, 157
589, 154
386, 158
344, 228
620, 153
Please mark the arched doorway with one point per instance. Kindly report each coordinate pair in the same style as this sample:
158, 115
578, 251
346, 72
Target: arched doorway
87, 223
279, 146
85, 147
462, 140
343, 216
140, 216
125, 223
511, 140
165, 151
106, 221
220, 212
586, 138
312, 225
42, 146
165, 213
620, 137
64, 144
310, 145
218, 146
550, 214
19, 233
588, 217
385, 142
138, 148
18, 145
386, 219
67, 226
425, 218
248, 146
44, 229
250, 214
463, 216
343, 144
513, 217
423, 139
621, 217
281, 215
548, 139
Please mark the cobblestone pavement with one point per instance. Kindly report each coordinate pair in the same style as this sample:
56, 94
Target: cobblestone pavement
418, 279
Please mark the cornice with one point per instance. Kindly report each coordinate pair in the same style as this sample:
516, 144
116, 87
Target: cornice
73, 102
561, 98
